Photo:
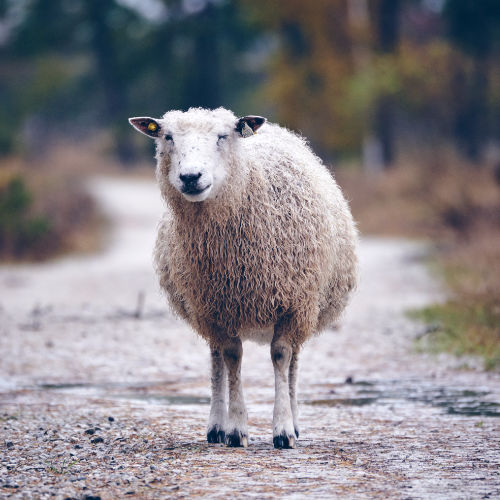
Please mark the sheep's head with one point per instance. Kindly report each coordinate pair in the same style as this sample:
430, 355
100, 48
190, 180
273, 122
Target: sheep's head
197, 145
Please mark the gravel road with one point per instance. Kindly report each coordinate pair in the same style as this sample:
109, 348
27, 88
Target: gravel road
104, 394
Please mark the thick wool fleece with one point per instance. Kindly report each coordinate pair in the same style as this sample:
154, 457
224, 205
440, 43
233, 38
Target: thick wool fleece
277, 243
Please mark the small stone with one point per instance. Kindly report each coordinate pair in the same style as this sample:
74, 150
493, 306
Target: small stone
79, 478
9, 444
97, 440
111, 419
90, 431
77, 447
349, 380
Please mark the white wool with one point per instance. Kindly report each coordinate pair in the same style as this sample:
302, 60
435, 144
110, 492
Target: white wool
258, 243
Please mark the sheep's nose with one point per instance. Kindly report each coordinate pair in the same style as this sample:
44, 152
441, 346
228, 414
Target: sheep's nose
190, 179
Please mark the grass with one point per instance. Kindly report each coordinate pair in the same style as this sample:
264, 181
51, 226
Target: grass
61, 469
456, 206
462, 330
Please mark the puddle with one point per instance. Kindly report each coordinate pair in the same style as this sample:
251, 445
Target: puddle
150, 392
342, 402
452, 401
167, 399
64, 386
141, 385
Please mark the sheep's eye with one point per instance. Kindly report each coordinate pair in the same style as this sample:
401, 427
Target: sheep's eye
221, 138
168, 137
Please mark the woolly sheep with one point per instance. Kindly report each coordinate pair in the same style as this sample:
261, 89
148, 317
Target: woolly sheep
258, 243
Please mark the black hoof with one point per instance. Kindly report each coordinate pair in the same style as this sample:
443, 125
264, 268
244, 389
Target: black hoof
284, 441
236, 439
216, 435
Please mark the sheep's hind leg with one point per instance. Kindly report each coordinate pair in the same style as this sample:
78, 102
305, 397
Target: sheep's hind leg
218, 410
237, 426
292, 381
283, 425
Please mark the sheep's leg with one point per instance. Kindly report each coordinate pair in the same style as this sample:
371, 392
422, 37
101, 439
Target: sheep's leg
218, 410
292, 381
281, 354
237, 426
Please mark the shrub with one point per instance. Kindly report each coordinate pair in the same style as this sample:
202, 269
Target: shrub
21, 232
43, 217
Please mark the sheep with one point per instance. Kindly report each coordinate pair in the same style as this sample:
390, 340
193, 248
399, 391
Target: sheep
258, 243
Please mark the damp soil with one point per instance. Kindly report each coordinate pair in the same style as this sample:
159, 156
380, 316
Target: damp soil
104, 394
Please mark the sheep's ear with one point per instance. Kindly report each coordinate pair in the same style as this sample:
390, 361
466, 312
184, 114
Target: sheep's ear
146, 125
248, 125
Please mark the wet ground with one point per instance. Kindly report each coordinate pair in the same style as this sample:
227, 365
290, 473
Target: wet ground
104, 394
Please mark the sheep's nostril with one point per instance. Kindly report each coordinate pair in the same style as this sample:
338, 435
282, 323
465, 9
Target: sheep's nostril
190, 179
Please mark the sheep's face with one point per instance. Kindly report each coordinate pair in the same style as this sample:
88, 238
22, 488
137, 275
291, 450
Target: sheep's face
197, 145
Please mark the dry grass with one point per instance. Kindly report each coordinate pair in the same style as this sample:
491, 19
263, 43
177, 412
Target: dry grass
438, 197
457, 206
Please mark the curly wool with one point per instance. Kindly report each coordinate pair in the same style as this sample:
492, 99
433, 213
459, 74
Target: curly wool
278, 241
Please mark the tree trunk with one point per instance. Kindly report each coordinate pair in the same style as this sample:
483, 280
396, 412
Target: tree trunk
387, 30
112, 85
470, 124
203, 86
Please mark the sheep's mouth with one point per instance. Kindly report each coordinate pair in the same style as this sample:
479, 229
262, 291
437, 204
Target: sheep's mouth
193, 191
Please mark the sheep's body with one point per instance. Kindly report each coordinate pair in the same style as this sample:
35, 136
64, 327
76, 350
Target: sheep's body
270, 257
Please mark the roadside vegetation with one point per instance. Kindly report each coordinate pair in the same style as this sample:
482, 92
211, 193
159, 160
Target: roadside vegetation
457, 207
45, 210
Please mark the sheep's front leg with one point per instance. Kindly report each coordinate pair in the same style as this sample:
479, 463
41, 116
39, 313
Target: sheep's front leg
218, 410
292, 381
237, 426
283, 425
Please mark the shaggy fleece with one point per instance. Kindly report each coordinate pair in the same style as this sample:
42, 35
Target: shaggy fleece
276, 242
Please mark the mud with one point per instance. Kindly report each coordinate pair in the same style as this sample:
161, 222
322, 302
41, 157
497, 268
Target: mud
87, 344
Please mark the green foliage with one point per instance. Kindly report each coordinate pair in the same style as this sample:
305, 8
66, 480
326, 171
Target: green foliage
90, 64
63, 468
344, 71
462, 329
338, 71
20, 231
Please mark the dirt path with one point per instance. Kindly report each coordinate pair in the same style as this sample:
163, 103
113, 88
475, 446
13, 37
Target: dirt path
103, 393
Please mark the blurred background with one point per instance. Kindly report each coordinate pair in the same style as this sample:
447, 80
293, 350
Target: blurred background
401, 98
